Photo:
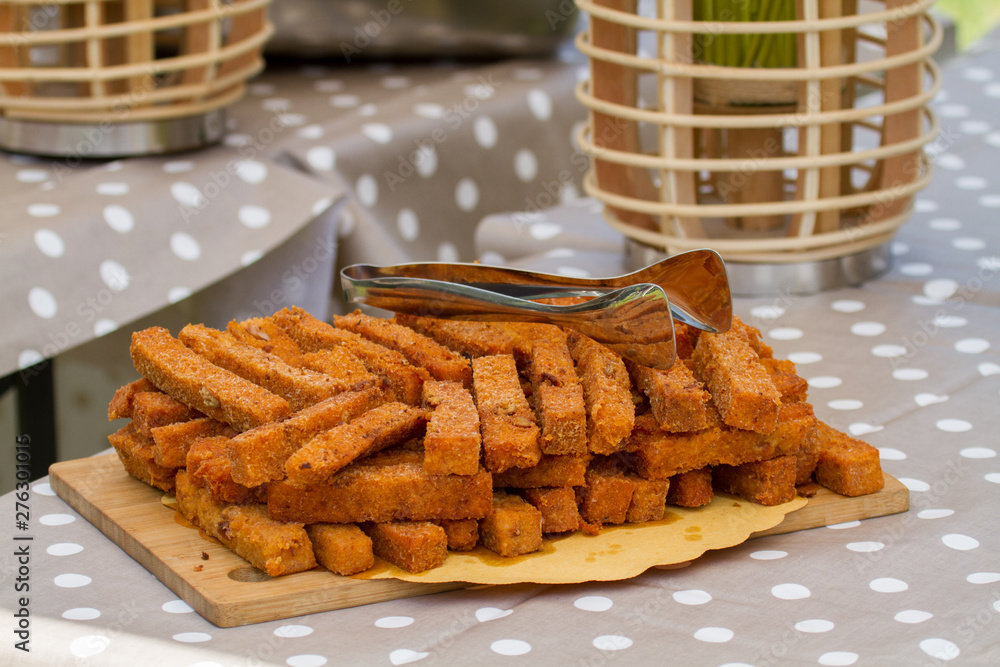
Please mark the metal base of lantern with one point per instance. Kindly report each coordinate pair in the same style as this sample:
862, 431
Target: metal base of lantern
748, 279
112, 140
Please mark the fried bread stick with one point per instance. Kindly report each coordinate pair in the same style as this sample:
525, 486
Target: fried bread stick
259, 455
172, 441
845, 465
770, 482
414, 546
473, 339
121, 403
406, 380
387, 486
341, 548
135, 451
558, 398
510, 436
512, 527
677, 400
154, 408
452, 444
200, 384
329, 451
419, 350
606, 391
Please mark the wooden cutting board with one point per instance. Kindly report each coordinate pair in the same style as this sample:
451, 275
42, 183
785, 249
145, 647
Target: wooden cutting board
228, 592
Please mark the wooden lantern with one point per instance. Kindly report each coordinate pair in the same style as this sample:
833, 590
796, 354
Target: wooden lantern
763, 164
99, 62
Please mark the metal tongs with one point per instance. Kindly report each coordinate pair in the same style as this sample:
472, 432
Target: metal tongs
632, 314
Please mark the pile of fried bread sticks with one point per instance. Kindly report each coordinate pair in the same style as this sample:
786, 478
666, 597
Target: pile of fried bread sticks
296, 442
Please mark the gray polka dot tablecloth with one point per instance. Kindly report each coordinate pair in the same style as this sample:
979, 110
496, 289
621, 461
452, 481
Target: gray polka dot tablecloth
908, 362
421, 152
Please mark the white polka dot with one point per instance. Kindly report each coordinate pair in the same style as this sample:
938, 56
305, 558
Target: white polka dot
909, 374
858, 429
950, 321
71, 580
43, 489
43, 210
447, 252
402, 656
393, 622
990, 201
525, 165
891, 454
847, 306
926, 398
42, 303
844, 526
814, 625
346, 222
913, 616
960, 542
312, 132
81, 614
543, 231
925, 206
253, 216
176, 607
944, 224
714, 635
251, 171
292, 631
63, 549
938, 648
185, 246
380, 133
32, 175
865, 547
767, 312
978, 453
192, 637
56, 519
118, 218
510, 647
49, 243
344, 101
887, 585
250, 256
367, 110
888, 351
367, 190
692, 597
934, 514
915, 484
867, 328
972, 345
88, 645
593, 603
846, 404
467, 194
801, 358
408, 224
785, 333
114, 275
429, 110
968, 243
177, 166
977, 74
175, 294
768, 554
186, 194
484, 614
790, 591
28, 358
426, 160
825, 382
112, 189
949, 161
898, 248
983, 578
540, 104
480, 90
971, 183
484, 129
992, 477
953, 425
321, 158
940, 289
953, 110
916, 269
275, 103
572, 272
838, 659
611, 643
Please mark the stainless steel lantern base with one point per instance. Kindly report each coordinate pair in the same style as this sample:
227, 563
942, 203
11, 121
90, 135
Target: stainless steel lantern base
111, 140
748, 279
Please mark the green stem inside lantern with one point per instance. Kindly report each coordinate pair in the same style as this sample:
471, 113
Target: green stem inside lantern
750, 50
